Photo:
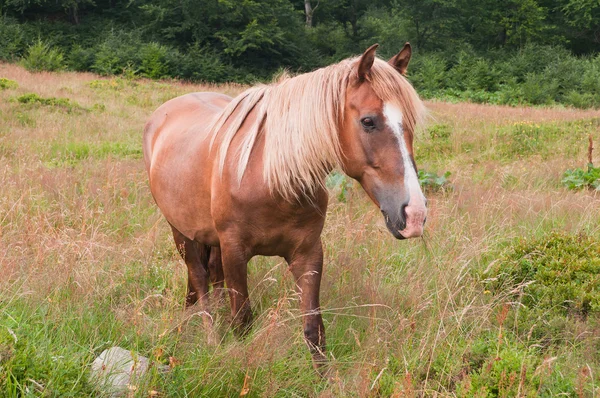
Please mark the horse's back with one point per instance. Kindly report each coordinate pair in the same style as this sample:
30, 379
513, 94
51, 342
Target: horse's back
190, 112
178, 161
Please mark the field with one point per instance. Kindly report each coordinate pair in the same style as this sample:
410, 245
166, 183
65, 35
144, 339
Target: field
500, 298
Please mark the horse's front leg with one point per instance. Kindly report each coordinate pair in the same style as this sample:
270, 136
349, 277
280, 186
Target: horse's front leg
235, 270
307, 265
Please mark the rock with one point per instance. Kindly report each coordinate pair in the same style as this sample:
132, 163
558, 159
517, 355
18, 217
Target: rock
117, 370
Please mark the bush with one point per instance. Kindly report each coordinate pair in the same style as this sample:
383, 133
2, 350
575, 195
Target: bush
557, 274
43, 57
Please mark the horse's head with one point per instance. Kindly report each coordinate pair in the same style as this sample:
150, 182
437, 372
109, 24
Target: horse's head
376, 138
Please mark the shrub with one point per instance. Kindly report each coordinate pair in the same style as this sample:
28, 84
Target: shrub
558, 273
43, 57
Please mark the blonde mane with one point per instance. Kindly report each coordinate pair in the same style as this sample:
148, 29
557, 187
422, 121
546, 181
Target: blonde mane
300, 118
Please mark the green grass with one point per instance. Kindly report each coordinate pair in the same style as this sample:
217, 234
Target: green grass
498, 299
71, 153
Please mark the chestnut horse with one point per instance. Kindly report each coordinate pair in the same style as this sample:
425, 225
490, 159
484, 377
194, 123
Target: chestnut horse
241, 177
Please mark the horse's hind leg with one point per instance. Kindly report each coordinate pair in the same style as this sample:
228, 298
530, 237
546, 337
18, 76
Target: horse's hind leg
196, 258
215, 270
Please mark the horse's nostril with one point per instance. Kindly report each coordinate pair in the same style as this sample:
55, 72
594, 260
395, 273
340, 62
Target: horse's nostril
403, 212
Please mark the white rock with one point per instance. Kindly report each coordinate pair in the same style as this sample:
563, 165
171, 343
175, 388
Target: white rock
118, 370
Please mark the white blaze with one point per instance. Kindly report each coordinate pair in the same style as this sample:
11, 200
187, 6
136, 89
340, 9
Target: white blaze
416, 210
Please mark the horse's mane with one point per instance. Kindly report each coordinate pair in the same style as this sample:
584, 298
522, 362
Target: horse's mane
299, 118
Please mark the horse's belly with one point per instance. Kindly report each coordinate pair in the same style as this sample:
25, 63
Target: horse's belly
184, 202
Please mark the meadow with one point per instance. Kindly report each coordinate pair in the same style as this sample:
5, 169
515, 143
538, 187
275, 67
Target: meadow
500, 298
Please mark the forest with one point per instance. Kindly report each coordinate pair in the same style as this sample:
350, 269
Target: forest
510, 52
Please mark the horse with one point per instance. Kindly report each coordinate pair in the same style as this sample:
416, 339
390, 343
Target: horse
245, 176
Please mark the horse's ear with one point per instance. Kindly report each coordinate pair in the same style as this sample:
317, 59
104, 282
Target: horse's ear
400, 61
366, 62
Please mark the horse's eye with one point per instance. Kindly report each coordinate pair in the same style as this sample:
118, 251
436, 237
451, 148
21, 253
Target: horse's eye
368, 123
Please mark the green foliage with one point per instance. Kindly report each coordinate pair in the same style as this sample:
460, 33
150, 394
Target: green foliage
43, 57
6, 84
580, 179
431, 182
557, 273
338, 182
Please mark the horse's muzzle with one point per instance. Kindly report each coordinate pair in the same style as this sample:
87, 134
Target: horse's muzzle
406, 223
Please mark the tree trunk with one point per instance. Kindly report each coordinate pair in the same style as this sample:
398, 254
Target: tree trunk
75, 14
309, 13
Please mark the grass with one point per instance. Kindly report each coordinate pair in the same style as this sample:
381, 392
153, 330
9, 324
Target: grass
87, 261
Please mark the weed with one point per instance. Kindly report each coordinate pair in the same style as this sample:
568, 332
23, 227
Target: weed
580, 179
431, 182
